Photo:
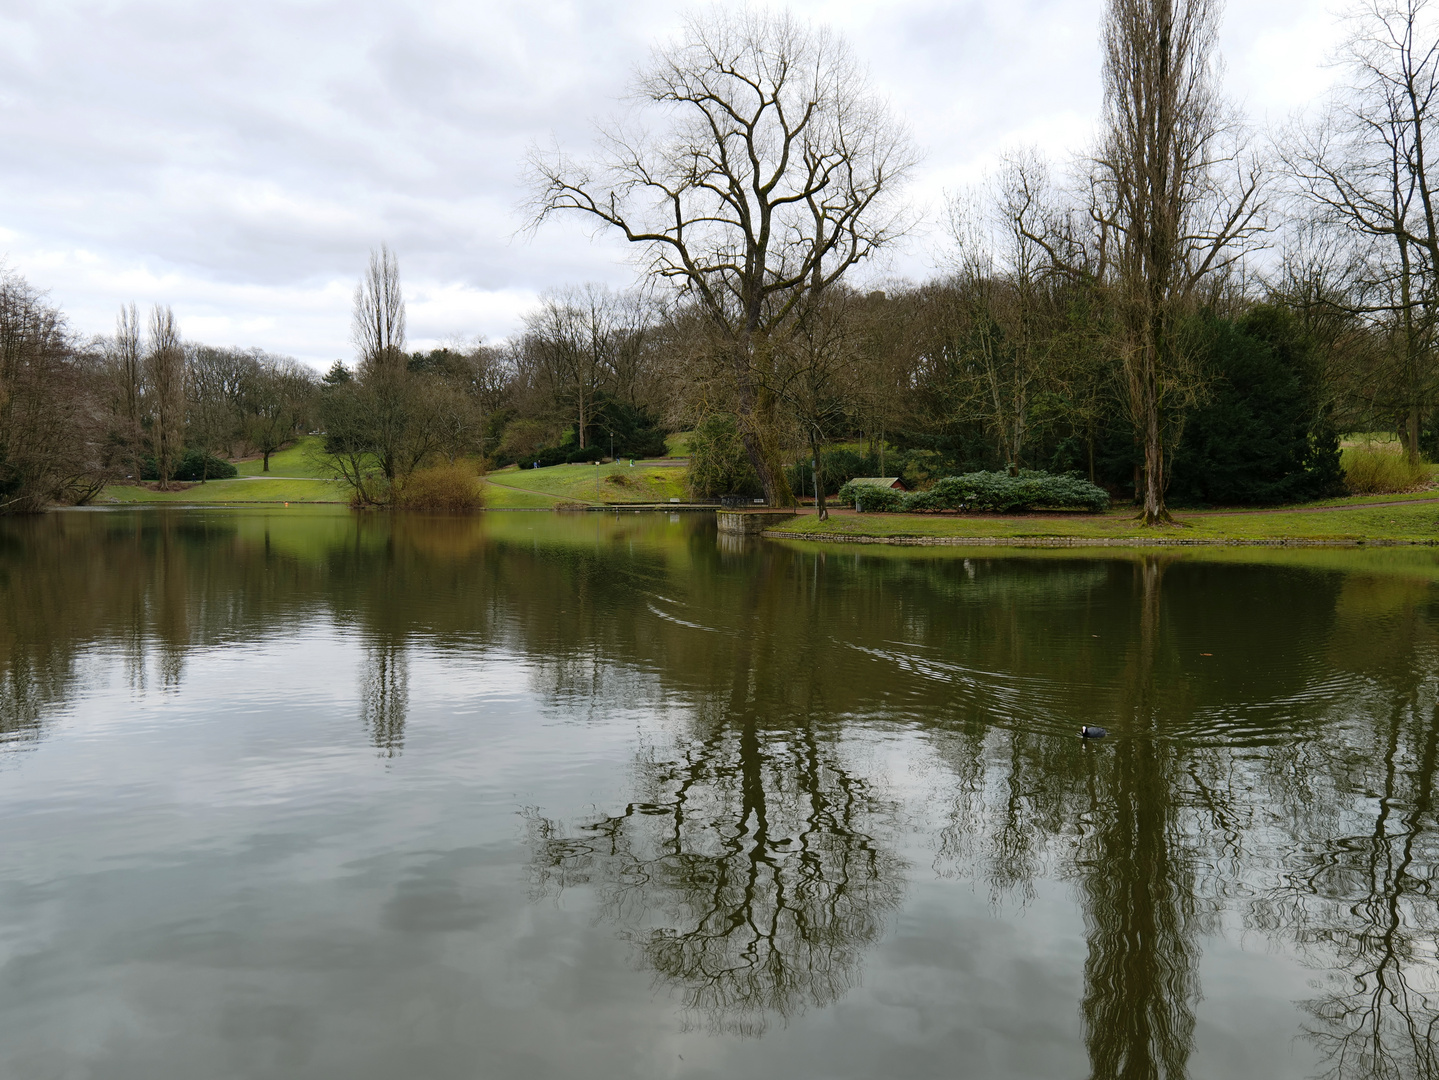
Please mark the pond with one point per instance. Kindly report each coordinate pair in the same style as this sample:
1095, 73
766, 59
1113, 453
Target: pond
300, 793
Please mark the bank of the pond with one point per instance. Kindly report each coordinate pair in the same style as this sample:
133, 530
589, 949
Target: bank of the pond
1415, 521
242, 490
1401, 520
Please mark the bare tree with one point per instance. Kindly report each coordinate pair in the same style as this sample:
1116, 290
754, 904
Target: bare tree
278, 394
773, 175
994, 312
216, 382
1182, 203
1365, 168
818, 369
378, 319
385, 392
165, 380
571, 338
637, 365
129, 373
48, 429
387, 420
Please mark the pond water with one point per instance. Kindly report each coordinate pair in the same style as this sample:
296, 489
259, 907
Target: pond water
305, 794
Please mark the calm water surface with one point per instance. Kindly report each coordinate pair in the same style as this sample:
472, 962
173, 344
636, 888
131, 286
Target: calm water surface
302, 794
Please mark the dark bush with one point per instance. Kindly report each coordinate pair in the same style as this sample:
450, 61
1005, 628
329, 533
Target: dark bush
617, 427
633, 433
871, 499
1262, 436
985, 491
840, 465
192, 467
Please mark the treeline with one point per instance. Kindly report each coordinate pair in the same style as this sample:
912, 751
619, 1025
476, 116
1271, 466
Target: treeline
143, 404
956, 375
1176, 315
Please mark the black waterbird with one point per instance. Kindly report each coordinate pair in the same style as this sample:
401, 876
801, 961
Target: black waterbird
1088, 731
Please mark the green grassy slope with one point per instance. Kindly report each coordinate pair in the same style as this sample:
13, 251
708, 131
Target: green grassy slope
239, 490
503, 497
615, 483
297, 460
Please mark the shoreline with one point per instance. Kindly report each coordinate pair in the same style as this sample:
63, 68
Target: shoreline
1093, 541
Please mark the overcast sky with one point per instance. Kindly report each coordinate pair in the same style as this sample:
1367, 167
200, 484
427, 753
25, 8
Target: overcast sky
237, 160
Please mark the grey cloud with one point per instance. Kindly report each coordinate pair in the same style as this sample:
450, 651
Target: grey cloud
221, 150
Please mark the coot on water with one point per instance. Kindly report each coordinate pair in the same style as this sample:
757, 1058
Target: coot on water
1088, 731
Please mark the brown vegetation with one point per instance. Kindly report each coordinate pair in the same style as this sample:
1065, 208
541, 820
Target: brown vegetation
448, 488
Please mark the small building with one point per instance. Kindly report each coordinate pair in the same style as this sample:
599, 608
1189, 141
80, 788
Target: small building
881, 481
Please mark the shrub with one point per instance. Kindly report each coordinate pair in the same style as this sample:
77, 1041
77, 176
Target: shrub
870, 499
840, 465
1369, 470
984, 491
192, 467
451, 489
199, 466
576, 456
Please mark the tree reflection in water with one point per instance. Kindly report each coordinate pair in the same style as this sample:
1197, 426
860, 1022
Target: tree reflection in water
1136, 879
751, 873
1360, 893
385, 694
756, 852
1138, 894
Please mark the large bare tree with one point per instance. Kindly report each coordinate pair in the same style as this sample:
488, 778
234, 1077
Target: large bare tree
128, 369
1365, 169
769, 172
570, 341
48, 436
377, 326
385, 393
1181, 199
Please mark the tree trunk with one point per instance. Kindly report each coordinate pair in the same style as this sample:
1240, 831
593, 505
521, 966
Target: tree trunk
757, 431
267, 461
816, 463
1154, 510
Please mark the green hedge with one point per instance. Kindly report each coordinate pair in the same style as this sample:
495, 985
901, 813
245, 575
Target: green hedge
983, 491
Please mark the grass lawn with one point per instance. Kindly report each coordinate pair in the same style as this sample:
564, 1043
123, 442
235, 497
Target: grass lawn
1413, 521
615, 483
239, 490
297, 460
502, 497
